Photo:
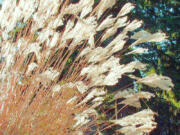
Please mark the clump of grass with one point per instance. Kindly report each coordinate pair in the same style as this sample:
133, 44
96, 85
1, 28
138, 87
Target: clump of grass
56, 81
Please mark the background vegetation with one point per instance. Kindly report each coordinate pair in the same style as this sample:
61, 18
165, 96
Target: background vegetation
164, 58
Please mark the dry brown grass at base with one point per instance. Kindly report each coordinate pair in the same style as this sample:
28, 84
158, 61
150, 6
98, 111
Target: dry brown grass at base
47, 114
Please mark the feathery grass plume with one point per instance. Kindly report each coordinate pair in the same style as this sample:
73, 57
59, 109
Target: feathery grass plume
55, 69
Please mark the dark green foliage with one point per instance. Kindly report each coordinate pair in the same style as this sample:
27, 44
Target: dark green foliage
164, 58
